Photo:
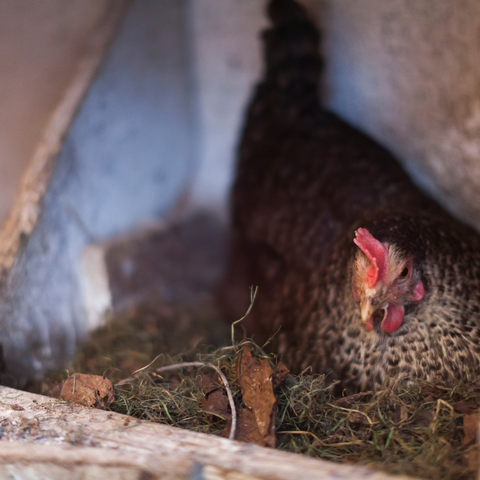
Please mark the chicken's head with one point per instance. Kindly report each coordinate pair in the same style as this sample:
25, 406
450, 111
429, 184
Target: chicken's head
384, 280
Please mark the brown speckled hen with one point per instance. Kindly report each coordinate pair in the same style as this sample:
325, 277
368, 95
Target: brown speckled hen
362, 275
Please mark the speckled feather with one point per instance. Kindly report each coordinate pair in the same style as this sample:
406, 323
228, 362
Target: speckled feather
306, 180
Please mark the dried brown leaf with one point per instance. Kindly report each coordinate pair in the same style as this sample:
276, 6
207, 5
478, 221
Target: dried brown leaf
216, 402
431, 391
470, 427
401, 414
465, 407
280, 375
209, 382
347, 402
57, 390
428, 399
357, 417
424, 417
247, 430
350, 459
255, 382
473, 460
88, 390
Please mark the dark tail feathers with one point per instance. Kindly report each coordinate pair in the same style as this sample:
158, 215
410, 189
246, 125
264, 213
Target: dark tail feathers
292, 58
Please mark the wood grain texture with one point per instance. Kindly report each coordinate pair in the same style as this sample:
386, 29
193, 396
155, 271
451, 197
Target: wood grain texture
54, 437
35, 180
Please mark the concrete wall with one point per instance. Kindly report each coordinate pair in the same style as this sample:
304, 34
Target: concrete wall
226, 61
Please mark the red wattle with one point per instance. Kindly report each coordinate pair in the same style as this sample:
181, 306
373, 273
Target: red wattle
369, 324
393, 319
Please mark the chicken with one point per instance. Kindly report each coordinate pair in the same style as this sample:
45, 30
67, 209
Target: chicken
360, 275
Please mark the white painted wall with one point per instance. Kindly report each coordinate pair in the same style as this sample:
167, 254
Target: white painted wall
406, 72
226, 61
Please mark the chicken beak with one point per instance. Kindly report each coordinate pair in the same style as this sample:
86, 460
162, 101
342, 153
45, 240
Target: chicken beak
366, 308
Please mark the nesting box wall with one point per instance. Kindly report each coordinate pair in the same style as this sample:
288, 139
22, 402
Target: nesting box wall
124, 161
408, 73
227, 63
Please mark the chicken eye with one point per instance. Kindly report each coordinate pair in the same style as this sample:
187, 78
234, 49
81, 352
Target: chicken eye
405, 272
355, 265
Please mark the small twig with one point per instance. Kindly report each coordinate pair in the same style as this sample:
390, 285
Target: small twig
304, 371
321, 442
224, 380
146, 366
253, 294
351, 410
134, 374
271, 337
441, 402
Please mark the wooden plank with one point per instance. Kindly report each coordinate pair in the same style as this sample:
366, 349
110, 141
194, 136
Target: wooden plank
51, 436
41, 44
24, 214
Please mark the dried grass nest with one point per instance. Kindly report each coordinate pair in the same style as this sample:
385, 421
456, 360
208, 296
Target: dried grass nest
426, 430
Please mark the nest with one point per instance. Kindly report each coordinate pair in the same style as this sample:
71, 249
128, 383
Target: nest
426, 430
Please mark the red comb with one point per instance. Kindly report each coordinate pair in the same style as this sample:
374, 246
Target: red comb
375, 251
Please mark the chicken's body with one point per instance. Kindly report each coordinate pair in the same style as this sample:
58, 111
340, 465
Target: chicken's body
306, 181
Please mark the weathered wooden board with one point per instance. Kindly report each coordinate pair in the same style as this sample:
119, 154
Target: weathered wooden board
41, 45
48, 438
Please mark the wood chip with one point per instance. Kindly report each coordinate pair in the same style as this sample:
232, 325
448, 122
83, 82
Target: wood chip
401, 414
216, 403
88, 390
255, 382
280, 375
470, 427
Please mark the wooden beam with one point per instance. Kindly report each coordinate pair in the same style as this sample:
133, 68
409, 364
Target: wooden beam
25, 212
43, 435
